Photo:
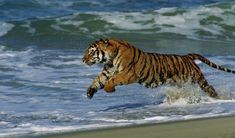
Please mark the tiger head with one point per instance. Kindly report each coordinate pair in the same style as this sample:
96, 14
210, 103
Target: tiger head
101, 51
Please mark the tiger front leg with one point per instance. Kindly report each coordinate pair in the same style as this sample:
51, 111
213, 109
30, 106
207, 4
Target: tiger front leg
118, 79
100, 80
97, 84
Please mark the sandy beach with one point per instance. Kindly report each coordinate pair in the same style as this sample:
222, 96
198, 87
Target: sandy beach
219, 127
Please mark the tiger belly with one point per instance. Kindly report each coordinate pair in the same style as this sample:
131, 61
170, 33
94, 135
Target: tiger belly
150, 84
155, 81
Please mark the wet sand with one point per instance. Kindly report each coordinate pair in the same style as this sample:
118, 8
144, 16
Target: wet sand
219, 127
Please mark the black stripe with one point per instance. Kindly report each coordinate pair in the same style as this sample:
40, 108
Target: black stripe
168, 72
161, 77
104, 75
179, 66
95, 44
118, 57
204, 83
161, 72
207, 61
139, 52
102, 53
153, 68
150, 59
214, 65
157, 62
101, 85
152, 80
103, 57
97, 55
142, 69
228, 70
184, 70
173, 66
164, 65
147, 75
194, 66
116, 52
142, 73
221, 68
141, 62
118, 64
201, 79
108, 66
169, 75
133, 58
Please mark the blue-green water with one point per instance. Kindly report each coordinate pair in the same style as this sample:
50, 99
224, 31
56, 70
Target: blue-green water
43, 80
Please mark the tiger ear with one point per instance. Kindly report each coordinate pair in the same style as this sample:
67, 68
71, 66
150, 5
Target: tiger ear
101, 39
106, 42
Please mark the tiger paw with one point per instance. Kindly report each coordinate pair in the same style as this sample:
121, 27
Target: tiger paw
90, 92
109, 88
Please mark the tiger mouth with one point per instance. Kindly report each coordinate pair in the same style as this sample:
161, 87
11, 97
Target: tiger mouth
89, 63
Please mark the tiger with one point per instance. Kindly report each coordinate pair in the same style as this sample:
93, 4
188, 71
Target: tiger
125, 64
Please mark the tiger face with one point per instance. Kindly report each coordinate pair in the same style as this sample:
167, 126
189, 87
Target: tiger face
101, 51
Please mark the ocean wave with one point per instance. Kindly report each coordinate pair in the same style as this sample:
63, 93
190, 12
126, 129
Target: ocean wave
205, 22
14, 10
215, 22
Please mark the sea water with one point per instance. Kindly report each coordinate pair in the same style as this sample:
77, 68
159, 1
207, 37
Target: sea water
43, 81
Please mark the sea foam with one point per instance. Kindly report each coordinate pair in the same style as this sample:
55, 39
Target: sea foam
5, 28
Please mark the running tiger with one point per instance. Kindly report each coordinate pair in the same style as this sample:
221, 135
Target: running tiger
125, 64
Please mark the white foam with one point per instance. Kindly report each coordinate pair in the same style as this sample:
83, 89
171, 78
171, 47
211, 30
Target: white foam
189, 21
5, 28
69, 20
112, 120
127, 21
185, 95
155, 118
74, 23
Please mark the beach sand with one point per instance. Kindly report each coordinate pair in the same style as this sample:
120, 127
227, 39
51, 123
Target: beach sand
219, 127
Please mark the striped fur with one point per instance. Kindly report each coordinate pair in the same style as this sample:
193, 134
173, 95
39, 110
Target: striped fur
125, 64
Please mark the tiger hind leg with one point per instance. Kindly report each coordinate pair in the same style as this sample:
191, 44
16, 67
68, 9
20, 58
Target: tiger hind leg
206, 87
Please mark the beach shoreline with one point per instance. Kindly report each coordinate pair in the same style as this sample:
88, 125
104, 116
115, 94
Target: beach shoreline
215, 127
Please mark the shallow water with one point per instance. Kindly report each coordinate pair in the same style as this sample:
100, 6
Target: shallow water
43, 80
